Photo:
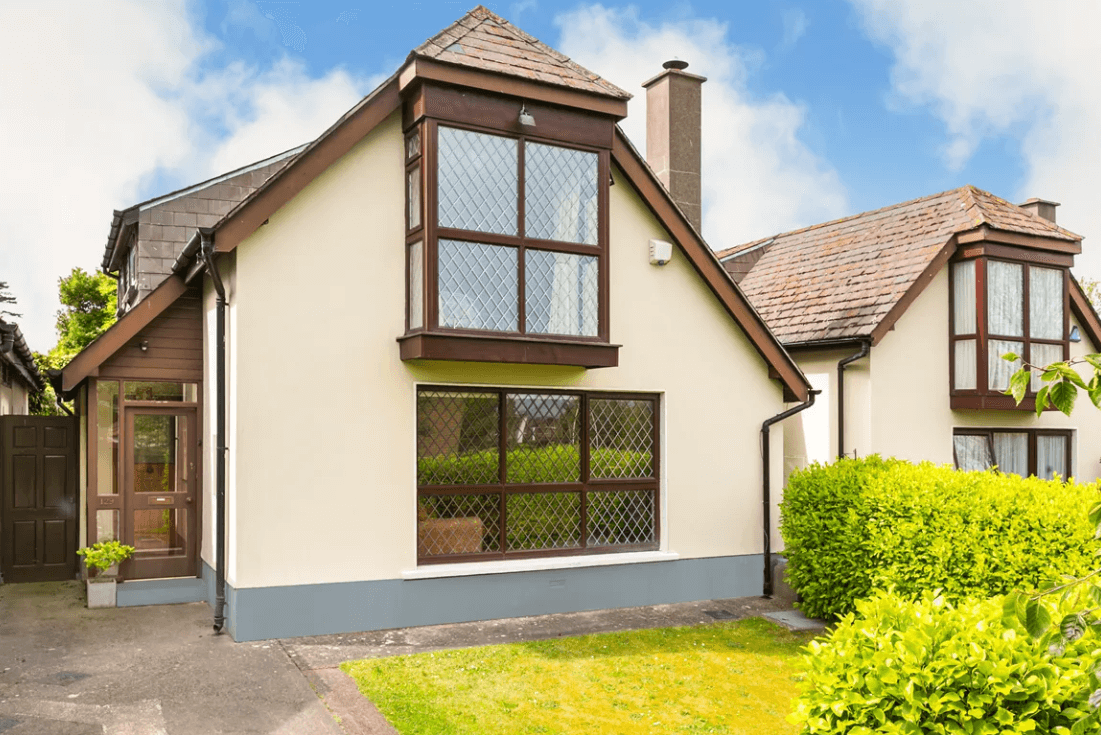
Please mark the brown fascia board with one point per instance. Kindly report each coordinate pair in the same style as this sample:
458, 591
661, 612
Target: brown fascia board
87, 361
656, 198
1083, 309
916, 288
246, 217
419, 68
990, 234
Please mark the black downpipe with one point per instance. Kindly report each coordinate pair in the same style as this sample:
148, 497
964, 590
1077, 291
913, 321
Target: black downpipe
865, 348
766, 490
207, 253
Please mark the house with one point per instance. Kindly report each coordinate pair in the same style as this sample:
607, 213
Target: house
900, 316
19, 376
462, 357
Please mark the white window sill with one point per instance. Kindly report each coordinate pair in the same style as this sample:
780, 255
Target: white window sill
469, 569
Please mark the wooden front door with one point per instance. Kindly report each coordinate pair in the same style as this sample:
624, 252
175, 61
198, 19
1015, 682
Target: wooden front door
159, 493
38, 498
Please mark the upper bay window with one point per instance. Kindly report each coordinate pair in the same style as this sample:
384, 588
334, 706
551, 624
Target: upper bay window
1000, 306
506, 245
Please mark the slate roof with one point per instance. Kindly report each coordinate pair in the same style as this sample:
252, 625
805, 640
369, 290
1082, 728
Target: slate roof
484, 40
839, 280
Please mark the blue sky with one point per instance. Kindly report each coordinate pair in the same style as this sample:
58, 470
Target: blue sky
812, 111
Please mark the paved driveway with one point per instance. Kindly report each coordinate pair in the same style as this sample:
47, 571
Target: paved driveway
67, 670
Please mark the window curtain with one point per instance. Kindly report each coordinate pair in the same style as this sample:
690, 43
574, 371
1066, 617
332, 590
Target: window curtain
1045, 303
999, 370
1011, 453
562, 293
1005, 298
967, 368
972, 452
1051, 457
1043, 355
964, 305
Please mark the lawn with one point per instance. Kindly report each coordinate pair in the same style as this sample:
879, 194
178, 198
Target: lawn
733, 678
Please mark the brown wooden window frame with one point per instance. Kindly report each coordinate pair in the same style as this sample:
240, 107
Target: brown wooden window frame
485, 115
982, 396
501, 489
989, 433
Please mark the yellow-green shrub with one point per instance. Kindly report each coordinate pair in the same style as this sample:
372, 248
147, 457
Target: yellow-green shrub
860, 525
927, 666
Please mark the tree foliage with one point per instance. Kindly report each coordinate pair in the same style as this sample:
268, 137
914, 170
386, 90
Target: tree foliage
89, 302
6, 297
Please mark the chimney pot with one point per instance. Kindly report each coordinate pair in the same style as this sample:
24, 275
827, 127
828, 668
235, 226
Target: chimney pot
1042, 208
673, 134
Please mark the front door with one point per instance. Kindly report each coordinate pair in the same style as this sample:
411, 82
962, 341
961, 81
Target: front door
159, 487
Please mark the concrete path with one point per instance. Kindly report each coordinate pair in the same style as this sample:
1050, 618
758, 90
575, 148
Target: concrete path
67, 670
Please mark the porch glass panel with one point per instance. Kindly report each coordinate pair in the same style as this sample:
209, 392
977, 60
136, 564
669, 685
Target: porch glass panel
107, 437
158, 391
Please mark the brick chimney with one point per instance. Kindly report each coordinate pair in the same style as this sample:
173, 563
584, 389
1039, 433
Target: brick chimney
673, 131
1041, 208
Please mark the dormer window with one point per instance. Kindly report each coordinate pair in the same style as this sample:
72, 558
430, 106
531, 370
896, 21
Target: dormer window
507, 237
1000, 306
128, 276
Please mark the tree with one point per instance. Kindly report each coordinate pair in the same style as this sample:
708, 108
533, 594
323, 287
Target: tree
6, 297
1092, 289
89, 302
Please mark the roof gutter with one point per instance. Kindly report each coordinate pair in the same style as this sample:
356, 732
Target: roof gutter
203, 241
865, 349
18, 354
766, 484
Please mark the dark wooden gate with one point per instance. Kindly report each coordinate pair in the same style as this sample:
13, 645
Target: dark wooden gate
38, 507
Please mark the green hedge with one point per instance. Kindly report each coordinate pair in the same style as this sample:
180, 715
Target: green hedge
532, 464
927, 666
860, 525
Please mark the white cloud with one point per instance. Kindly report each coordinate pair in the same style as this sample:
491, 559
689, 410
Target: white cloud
99, 99
1009, 67
759, 178
795, 27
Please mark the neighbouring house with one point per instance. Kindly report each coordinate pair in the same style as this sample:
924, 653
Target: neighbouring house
19, 376
462, 357
901, 316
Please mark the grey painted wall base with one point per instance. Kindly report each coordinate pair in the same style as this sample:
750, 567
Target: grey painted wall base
138, 592
316, 609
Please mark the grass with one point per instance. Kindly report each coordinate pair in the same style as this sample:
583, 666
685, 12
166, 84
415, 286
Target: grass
730, 678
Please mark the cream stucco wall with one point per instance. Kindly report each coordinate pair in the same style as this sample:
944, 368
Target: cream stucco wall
901, 392
323, 434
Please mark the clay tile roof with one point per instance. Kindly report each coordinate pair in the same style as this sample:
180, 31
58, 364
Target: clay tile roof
838, 280
484, 40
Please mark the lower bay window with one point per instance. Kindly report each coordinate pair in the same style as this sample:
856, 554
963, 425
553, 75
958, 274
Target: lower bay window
515, 473
1025, 452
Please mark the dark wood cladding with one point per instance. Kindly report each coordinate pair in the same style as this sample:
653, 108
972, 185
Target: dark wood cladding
995, 401
425, 70
501, 114
478, 348
174, 342
1010, 252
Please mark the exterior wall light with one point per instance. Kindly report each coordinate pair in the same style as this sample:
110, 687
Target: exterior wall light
144, 345
525, 117
1075, 335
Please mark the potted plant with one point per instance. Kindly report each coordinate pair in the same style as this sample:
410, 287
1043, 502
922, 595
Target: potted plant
104, 557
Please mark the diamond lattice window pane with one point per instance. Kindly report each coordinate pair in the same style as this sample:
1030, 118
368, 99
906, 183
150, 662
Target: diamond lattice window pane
457, 438
478, 286
1045, 303
413, 192
416, 285
542, 521
621, 438
621, 517
562, 293
544, 438
477, 185
560, 195
999, 370
458, 524
1043, 355
413, 145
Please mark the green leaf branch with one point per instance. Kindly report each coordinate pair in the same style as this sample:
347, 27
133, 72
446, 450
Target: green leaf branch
1061, 382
